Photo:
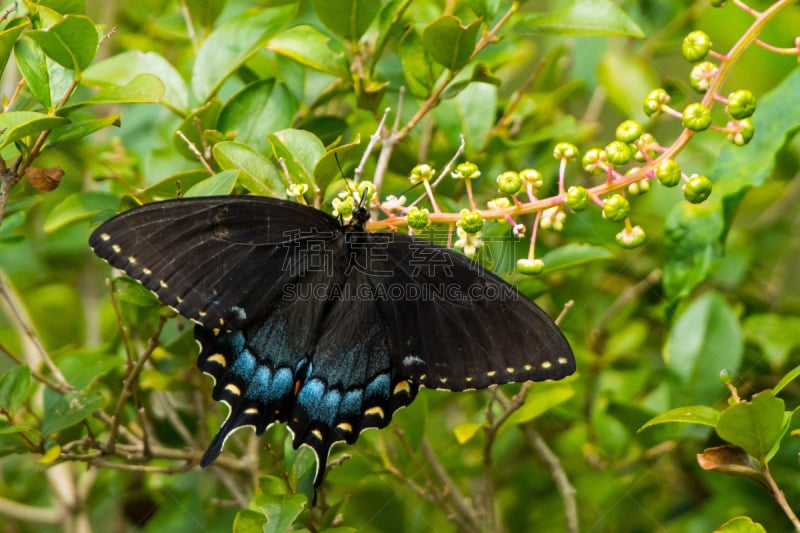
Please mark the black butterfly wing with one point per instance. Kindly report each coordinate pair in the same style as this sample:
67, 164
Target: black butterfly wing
458, 326
327, 390
209, 257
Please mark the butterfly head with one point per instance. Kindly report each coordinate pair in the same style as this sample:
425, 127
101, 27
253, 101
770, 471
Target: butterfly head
360, 217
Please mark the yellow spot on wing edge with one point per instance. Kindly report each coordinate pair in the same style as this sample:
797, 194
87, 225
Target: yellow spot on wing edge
219, 359
163, 284
346, 427
402, 386
105, 237
131, 260
233, 389
251, 411
491, 373
116, 248
563, 360
528, 367
146, 271
374, 411
546, 365
317, 433
510, 370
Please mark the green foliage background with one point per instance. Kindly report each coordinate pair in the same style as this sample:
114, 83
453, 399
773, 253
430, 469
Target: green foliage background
713, 288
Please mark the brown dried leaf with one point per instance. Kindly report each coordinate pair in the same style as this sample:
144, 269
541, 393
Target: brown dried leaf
44, 179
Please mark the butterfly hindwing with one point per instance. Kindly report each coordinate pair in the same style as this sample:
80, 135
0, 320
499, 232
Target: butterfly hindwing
462, 325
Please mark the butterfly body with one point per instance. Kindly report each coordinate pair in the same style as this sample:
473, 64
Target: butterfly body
324, 326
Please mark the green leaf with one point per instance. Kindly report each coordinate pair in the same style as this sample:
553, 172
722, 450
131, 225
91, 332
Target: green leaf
704, 340
15, 125
347, 18
737, 168
541, 398
627, 92
754, 426
232, 43
143, 89
693, 244
486, 9
449, 42
84, 366
79, 206
218, 184
301, 152
14, 384
574, 254
261, 108
741, 524
692, 414
329, 166
9, 36
196, 127
81, 127
419, 70
125, 289
310, 47
465, 431
168, 187
122, 68
471, 114
33, 66
581, 18
786, 379
256, 172
776, 335
281, 511
72, 42
69, 410
249, 521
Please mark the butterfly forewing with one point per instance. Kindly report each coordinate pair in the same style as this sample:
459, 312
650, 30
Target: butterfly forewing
220, 261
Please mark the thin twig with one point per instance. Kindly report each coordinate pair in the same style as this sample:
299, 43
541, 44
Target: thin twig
198, 154
130, 381
19, 316
565, 488
456, 498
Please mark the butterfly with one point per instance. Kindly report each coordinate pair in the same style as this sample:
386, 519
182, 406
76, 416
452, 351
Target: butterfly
323, 325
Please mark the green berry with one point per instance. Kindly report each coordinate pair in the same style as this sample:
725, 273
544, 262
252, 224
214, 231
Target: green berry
741, 104
743, 133
645, 144
471, 221
668, 173
697, 189
696, 117
565, 151
499, 203
654, 102
631, 238
639, 187
616, 208
418, 218
297, 190
724, 376
618, 152
466, 171
701, 76
628, 131
530, 267
532, 177
696, 46
421, 172
577, 198
594, 161
509, 182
